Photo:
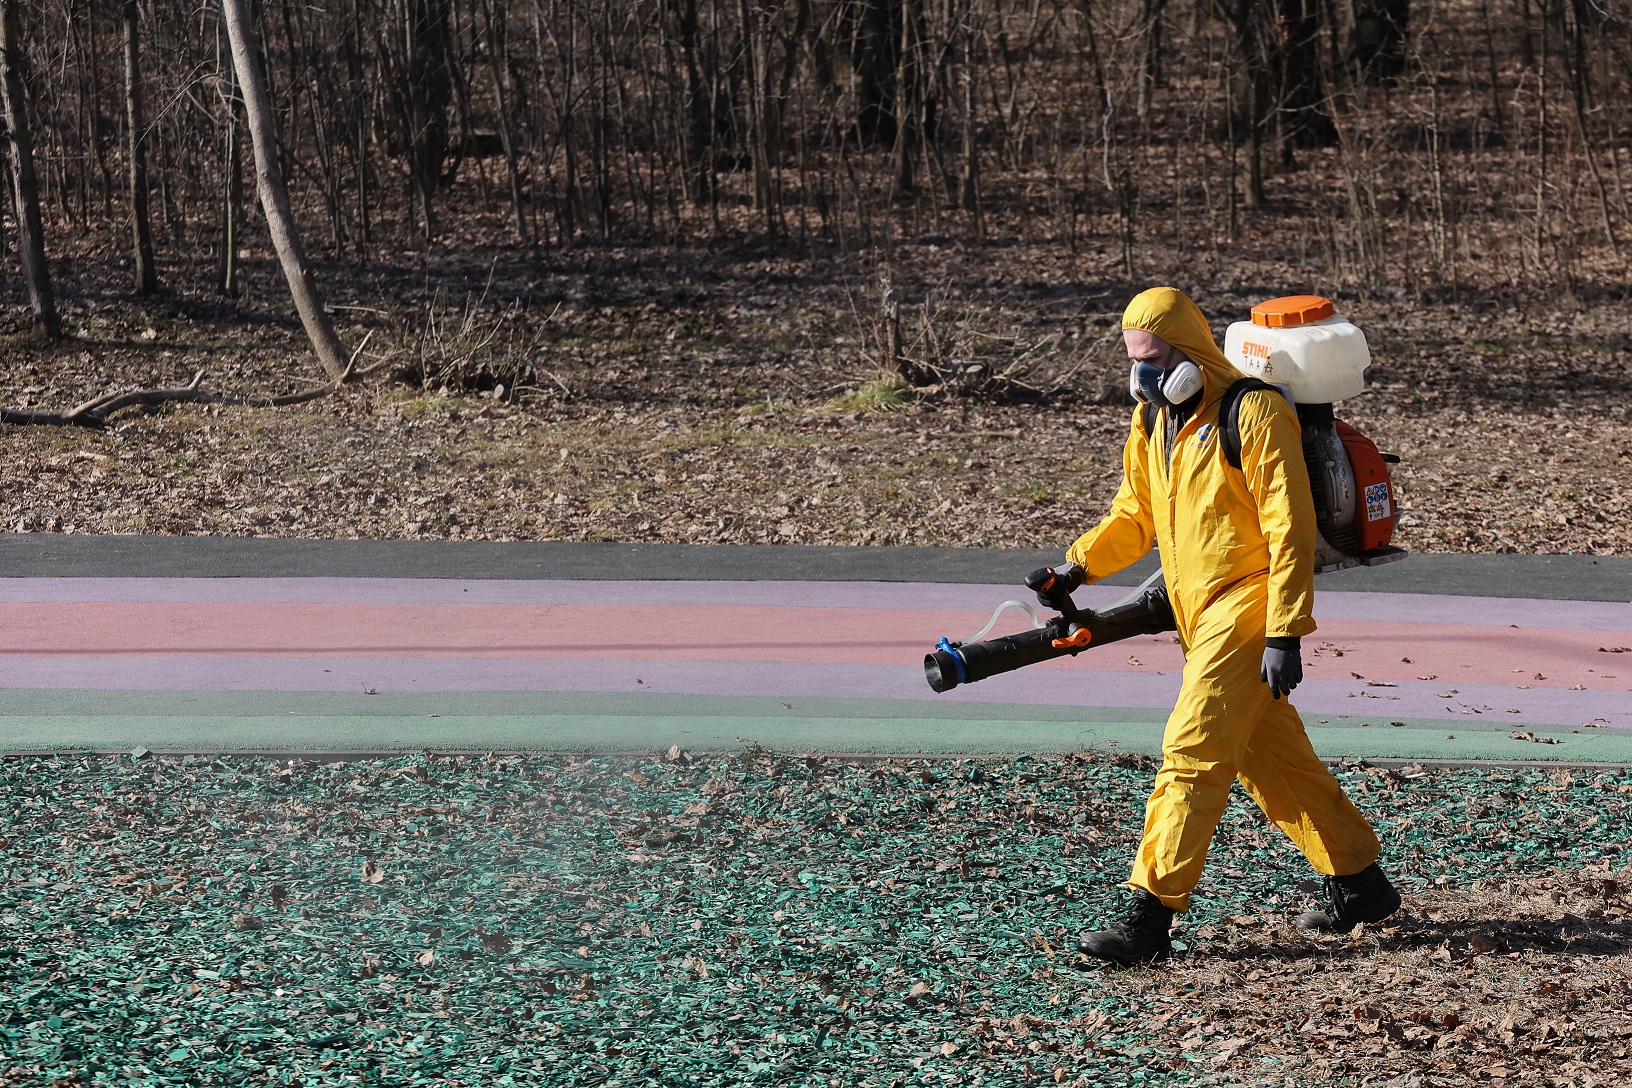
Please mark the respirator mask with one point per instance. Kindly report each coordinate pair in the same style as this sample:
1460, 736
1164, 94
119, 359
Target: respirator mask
1151, 384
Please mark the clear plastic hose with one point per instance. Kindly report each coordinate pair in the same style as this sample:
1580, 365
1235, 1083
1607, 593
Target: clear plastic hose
991, 623
1155, 577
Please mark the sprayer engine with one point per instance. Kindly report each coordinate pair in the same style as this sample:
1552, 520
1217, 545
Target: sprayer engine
1355, 509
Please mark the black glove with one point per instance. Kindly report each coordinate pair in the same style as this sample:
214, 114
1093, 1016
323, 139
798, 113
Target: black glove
1283, 665
1054, 585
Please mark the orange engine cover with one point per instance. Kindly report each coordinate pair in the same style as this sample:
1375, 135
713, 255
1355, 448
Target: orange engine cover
1374, 491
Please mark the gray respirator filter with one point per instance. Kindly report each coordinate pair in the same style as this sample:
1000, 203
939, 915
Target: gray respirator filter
1151, 384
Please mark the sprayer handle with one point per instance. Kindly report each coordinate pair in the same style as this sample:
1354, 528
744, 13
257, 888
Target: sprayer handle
1054, 586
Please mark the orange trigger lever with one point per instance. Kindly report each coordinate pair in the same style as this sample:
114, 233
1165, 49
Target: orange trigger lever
1076, 640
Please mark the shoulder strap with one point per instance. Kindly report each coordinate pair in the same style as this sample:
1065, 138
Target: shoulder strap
1229, 415
1147, 418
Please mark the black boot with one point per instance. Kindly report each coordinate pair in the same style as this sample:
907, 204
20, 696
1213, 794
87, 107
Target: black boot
1140, 937
1367, 896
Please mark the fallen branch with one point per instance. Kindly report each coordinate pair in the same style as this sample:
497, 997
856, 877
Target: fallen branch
95, 412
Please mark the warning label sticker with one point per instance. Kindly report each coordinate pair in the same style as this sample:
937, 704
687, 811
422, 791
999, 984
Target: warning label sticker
1378, 506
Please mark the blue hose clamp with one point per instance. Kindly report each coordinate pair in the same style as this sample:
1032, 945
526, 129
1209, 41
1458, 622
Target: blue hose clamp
944, 644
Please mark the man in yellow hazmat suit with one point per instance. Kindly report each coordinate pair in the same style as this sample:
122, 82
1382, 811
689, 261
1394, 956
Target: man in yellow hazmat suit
1237, 549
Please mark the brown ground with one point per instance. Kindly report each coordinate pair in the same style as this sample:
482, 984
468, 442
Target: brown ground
720, 394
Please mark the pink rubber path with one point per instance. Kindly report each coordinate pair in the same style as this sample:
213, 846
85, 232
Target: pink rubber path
1341, 649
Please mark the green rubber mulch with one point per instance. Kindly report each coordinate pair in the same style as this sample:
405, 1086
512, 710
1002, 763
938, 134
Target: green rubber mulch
761, 919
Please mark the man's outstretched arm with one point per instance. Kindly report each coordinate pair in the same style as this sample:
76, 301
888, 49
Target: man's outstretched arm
1125, 534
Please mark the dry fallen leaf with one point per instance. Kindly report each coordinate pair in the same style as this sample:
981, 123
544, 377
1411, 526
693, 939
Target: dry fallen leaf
372, 873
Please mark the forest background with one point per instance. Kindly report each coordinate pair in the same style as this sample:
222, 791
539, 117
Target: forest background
807, 271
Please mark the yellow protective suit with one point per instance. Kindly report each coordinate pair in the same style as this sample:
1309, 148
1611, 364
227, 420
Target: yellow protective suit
1237, 550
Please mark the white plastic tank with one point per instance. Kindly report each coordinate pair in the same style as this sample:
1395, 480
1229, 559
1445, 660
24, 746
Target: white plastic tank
1301, 343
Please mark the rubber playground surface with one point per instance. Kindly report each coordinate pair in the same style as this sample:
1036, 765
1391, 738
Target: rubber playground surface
367, 894
216, 645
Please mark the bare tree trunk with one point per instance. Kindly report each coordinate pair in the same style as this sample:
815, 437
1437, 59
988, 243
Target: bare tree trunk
417, 64
754, 49
274, 197
876, 53
232, 206
359, 110
147, 276
1378, 38
232, 195
93, 93
1302, 112
1583, 23
1251, 102
498, 56
909, 94
698, 170
1541, 143
24, 183
1150, 66
969, 183
1254, 195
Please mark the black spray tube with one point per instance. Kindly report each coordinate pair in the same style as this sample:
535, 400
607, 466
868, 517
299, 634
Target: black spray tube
953, 663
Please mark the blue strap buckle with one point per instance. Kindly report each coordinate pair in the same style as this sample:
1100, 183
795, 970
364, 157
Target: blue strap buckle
945, 644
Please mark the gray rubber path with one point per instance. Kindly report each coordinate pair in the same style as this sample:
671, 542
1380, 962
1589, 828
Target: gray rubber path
37, 555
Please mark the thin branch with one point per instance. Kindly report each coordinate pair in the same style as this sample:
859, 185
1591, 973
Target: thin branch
95, 412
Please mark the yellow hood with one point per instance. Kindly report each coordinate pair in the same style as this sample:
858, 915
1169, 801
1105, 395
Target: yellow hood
1169, 313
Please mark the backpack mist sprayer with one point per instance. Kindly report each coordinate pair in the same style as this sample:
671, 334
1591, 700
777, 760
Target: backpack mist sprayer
1299, 347
1146, 612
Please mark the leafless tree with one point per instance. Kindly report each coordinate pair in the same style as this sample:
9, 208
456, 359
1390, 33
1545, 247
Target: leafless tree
1365, 128
147, 275
274, 197
24, 181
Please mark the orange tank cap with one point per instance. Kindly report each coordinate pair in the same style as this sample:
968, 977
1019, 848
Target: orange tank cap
1280, 313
